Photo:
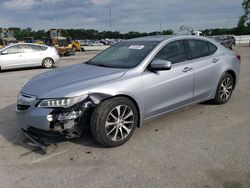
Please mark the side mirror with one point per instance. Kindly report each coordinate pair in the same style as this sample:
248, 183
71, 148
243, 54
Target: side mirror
4, 52
161, 65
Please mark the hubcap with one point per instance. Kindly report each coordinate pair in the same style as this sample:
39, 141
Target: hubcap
226, 89
119, 122
48, 63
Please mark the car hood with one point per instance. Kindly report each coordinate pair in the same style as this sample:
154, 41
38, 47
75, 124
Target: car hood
65, 81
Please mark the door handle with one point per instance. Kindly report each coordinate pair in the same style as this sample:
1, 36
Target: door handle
215, 60
186, 69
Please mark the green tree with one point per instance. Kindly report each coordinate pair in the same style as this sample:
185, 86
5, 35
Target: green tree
241, 28
246, 7
244, 24
20, 33
168, 32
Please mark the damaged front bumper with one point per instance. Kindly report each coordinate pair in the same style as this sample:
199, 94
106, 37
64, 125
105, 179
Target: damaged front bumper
38, 123
41, 139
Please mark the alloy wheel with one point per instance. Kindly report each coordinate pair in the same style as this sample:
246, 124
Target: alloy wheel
226, 89
119, 122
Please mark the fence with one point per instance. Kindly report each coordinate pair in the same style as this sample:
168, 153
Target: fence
243, 40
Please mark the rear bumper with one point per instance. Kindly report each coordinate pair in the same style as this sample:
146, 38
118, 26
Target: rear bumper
56, 59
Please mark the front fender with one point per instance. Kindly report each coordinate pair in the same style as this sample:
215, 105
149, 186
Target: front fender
98, 97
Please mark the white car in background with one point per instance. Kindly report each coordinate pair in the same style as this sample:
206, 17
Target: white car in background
27, 55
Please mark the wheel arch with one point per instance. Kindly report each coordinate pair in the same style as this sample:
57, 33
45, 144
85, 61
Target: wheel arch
136, 105
48, 58
99, 97
233, 75
229, 71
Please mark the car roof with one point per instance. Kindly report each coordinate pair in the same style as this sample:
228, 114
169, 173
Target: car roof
160, 38
30, 44
23, 43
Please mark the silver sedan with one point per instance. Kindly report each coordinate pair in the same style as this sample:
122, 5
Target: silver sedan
27, 55
131, 82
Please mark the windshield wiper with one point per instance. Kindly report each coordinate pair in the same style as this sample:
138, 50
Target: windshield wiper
105, 65
101, 65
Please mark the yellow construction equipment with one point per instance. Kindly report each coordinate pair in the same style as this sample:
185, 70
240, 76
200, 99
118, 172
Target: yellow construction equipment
39, 42
76, 45
61, 43
62, 46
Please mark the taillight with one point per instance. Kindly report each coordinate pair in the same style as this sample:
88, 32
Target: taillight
238, 56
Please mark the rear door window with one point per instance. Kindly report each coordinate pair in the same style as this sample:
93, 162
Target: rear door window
30, 48
198, 49
212, 48
43, 48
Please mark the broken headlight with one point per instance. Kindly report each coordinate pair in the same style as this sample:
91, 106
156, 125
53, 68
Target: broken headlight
61, 103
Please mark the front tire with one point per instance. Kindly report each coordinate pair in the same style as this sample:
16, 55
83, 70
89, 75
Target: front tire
48, 63
224, 89
114, 121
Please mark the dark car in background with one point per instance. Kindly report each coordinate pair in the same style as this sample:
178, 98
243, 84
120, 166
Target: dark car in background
228, 41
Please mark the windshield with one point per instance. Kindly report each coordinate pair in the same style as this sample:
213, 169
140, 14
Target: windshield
125, 54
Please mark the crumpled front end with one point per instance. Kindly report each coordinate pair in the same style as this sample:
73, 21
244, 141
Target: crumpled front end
39, 122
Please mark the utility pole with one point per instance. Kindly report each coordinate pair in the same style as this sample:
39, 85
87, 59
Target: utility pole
110, 18
160, 27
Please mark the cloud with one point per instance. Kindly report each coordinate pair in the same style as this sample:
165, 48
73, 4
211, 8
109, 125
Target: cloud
18, 4
100, 2
136, 15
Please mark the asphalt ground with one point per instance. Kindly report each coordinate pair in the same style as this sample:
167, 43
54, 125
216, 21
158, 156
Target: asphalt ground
203, 146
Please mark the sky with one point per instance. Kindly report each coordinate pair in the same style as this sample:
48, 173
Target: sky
126, 15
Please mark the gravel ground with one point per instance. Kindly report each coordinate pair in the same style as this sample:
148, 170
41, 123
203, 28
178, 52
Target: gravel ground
203, 146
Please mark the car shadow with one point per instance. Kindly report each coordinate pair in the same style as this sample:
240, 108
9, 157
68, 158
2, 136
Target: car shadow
26, 68
210, 102
12, 133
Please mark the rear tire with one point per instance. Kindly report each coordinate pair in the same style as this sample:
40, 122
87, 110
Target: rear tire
114, 121
48, 63
224, 89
